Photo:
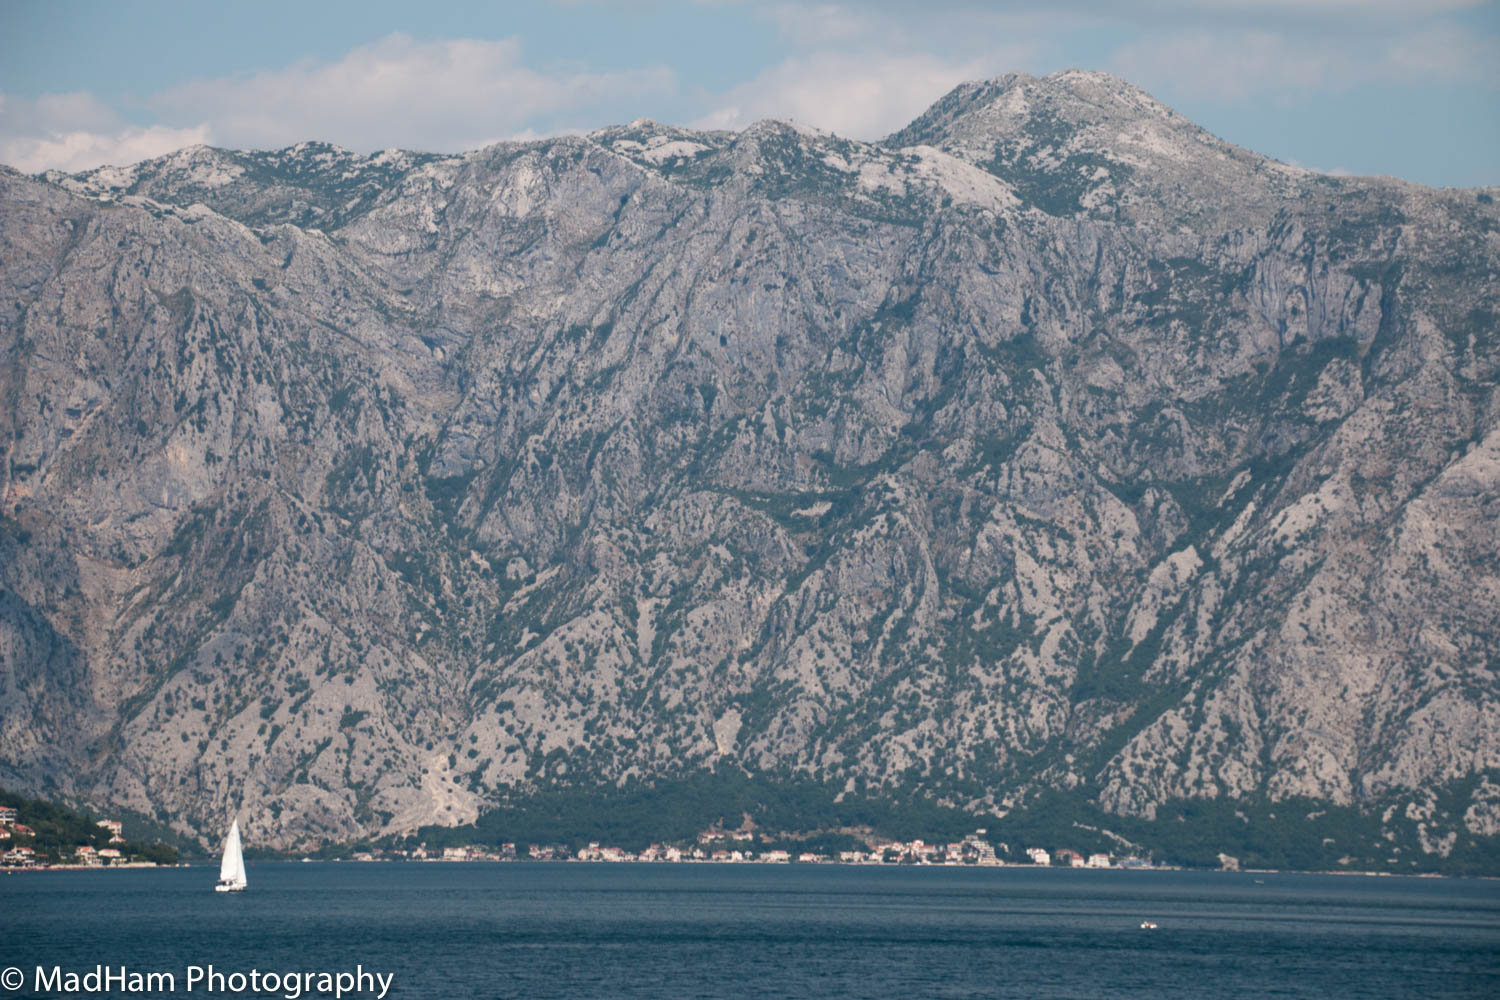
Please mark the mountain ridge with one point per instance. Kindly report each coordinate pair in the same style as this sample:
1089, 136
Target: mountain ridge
615, 456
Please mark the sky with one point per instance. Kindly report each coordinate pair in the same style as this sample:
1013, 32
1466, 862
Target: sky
1409, 88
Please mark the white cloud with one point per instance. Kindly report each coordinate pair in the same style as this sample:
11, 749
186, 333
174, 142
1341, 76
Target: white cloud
832, 21
1445, 52
76, 132
862, 95
1399, 8
1226, 66
1236, 65
440, 95
953, 28
432, 95
1330, 171
64, 112
74, 151
819, 24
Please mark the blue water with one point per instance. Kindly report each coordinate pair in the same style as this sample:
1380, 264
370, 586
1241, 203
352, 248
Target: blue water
709, 931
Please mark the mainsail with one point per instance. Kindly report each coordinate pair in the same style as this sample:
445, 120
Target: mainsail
232, 868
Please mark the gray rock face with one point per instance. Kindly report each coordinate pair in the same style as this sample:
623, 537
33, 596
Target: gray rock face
1051, 443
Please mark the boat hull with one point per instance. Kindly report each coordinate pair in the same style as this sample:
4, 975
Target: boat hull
221, 887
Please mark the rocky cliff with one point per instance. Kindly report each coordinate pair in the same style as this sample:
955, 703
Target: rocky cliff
1052, 443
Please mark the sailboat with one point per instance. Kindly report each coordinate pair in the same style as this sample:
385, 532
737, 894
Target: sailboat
232, 868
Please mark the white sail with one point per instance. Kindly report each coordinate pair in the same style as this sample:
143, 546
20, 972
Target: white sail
232, 868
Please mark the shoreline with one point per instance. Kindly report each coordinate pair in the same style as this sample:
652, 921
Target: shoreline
743, 863
133, 866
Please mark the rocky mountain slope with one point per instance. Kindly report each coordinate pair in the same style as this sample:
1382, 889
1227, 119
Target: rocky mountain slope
1052, 443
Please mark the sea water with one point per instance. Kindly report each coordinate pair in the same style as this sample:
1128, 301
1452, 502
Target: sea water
576, 931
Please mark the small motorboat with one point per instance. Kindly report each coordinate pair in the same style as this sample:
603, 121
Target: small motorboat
1148, 925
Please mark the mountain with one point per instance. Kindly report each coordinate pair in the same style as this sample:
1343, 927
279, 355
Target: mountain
1050, 447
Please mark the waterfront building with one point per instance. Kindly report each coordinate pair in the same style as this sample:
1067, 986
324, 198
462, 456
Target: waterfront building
23, 857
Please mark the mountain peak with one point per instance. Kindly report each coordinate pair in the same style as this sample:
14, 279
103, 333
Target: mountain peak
1086, 142
1017, 94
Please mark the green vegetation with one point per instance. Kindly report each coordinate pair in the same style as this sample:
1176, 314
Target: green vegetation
1293, 834
798, 814
673, 811
58, 832
1047, 176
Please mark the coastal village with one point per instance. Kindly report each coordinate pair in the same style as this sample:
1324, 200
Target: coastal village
713, 846
18, 847
740, 847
